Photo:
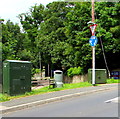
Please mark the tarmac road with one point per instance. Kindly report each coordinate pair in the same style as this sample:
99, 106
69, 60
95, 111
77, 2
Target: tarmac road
99, 104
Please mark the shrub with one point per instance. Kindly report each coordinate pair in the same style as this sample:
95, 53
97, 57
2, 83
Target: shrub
37, 70
74, 71
34, 71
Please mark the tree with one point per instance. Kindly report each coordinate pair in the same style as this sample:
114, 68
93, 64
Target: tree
31, 24
77, 33
51, 33
59, 35
12, 40
66, 39
107, 31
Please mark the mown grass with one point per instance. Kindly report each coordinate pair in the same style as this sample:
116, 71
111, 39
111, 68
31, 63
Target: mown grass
4, 97
113, 81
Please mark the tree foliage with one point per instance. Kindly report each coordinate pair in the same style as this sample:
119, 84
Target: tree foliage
12, 40
59, 35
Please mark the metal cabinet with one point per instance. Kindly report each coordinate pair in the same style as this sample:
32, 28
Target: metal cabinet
100, 76
16, 77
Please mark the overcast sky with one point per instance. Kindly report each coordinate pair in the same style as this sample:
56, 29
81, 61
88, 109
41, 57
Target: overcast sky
10, 9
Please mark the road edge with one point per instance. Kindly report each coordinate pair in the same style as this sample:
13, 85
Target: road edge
37, 103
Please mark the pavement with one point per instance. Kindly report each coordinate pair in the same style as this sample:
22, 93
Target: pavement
35, 100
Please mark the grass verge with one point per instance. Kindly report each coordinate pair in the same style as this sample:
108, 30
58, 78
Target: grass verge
4, 97
113, 81
46, 89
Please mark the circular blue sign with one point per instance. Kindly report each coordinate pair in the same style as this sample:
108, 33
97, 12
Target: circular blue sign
93, 40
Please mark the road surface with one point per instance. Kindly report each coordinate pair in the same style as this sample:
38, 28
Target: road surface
100, 104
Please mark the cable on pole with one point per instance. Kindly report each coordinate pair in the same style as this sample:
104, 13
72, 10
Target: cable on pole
103, 51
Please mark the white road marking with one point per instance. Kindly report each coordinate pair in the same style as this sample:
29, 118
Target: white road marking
115, 100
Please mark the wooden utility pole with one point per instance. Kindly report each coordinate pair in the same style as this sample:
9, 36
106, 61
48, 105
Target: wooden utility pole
93, 16
93, 48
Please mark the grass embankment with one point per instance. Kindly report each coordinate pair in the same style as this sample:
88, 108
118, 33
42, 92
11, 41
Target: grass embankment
46, 89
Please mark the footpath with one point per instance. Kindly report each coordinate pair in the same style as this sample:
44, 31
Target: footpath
35, 100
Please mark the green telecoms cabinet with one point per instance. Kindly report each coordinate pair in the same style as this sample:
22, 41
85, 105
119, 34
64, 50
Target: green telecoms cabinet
16, 77
100, 76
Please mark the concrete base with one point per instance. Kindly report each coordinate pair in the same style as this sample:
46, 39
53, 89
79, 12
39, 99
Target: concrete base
59, 85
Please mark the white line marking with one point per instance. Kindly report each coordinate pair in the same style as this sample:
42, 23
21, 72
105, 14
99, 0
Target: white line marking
116, 100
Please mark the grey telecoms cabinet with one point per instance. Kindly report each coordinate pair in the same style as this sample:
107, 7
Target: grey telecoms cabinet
16, 77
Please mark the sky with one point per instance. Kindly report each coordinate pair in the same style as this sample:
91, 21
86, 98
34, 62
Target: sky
10, 9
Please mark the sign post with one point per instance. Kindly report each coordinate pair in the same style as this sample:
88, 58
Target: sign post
93, 41
93, 70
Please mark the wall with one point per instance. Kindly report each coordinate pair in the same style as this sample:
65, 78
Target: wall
75, 79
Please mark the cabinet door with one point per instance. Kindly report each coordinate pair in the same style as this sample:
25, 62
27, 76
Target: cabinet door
6, 78
101, 76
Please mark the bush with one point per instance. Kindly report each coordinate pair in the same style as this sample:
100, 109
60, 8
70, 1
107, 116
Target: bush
34, 71
74, 71
37, 71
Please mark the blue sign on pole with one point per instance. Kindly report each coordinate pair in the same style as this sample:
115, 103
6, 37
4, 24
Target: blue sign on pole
93, 40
